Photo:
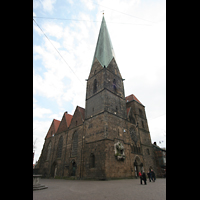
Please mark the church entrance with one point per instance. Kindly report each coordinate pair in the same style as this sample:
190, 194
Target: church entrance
74, 166
138, 166
54, 169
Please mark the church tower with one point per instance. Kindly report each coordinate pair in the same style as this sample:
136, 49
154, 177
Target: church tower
105, 110
105, 89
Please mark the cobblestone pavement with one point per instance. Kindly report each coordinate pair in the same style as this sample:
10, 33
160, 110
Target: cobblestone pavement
126, 189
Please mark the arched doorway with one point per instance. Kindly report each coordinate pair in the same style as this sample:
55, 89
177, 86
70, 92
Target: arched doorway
74, 166
138, 166
54, 169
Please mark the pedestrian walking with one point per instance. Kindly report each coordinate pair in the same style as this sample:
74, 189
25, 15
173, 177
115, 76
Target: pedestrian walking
144, 177
148, 174
140, 175
153, 175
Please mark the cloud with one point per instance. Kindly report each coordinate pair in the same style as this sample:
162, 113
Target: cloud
40, 112
75, 50
89, 4
48, 5
36, 4
51, 86
53, 29
157, 127
70, 1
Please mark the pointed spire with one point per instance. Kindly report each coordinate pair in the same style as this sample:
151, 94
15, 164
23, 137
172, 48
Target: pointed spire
104, 50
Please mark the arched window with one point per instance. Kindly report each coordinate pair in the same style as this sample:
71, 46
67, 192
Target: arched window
131, 118
139, 150
48, 151
142, 124
92, 160
148, 152
59, 150
140, 113
114, 85
95, 86
133, 134
74, 144
66, 139
135, 149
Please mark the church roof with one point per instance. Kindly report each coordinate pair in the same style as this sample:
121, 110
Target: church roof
132, 97
104, 51
53, 128
68, 118
56, 124
82, 111
65, 122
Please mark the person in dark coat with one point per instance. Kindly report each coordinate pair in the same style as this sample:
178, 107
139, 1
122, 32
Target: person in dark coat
153, 175
148, 174
144, 177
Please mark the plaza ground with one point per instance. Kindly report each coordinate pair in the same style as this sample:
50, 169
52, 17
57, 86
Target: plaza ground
126, 189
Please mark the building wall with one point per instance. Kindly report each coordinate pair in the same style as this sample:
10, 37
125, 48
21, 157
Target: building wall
96, 148
160, 155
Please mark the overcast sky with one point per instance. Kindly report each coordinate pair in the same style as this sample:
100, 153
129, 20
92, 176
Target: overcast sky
138, 33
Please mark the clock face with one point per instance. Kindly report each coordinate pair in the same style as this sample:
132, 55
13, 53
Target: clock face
133, 135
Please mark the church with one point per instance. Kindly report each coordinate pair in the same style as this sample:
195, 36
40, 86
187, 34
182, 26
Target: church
107, 139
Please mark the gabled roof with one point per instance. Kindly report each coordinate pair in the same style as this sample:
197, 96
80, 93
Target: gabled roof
65, 122
104, 51
53, 128
132, 97
82, 111
68, 118
56, 124
78, 117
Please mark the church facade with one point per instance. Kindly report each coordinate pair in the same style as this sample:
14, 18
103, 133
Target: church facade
109, 138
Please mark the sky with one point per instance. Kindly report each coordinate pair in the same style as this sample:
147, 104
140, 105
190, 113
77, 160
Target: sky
137, 30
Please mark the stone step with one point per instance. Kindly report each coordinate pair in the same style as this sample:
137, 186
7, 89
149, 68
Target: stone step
39, 187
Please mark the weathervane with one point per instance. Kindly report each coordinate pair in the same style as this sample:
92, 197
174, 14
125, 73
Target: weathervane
102, 11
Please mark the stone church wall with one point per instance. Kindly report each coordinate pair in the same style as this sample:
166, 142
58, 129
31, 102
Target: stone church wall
98, 150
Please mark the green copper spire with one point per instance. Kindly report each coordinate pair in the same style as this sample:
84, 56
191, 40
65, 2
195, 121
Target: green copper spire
104, 50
